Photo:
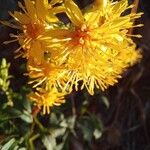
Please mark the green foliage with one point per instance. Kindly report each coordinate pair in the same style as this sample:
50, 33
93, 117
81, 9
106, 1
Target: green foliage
21, 130
4, 81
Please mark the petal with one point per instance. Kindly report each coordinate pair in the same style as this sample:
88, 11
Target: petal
22, 18
120, 7
51, 18
41, 9
101, 4
6, 23
58, 33
74, 13
93, 18
30, 9
36, 52
53, 2
57, 10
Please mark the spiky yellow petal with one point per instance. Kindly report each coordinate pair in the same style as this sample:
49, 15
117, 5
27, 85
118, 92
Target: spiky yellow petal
47, 99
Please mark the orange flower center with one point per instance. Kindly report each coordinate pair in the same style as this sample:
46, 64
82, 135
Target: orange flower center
34, 30
80, 35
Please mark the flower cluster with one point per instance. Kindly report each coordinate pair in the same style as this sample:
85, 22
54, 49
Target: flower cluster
93, 48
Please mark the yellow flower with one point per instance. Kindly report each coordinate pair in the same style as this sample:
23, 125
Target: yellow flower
34, 21
97, 44
48, 75
94, 48
47, 99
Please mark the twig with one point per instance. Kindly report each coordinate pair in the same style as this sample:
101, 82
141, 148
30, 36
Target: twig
136, 4
38, 123
32, 139
134, 10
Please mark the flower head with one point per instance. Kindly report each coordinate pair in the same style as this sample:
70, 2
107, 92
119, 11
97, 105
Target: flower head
48, 75
47, 99
93, 49
34, 21
98, 45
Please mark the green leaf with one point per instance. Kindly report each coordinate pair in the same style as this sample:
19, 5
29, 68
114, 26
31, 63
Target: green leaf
8, 145
23, 148
49, 142
97, 133
27, 117
27, 105
105, 101
54, 119
57, 132
9, 113
87, 128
